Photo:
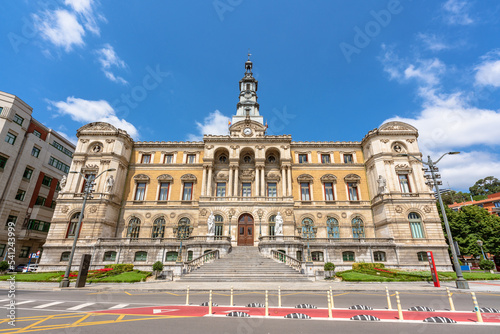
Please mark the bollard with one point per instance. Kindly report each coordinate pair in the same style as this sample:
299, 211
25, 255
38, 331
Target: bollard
210, 303
389, 305
187, 296
452, 306
476, 308
400, 311
231, 300
330, 297
279, 296
267, 305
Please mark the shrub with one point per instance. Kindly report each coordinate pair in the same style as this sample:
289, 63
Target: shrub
329, 266
365, 266
120, 267
4, 265
158, 266
486, 265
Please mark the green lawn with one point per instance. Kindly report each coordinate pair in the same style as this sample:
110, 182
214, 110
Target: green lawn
124, 277
35, 277
405, 276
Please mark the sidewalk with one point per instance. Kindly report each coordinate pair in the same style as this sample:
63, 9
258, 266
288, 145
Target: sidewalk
476, 286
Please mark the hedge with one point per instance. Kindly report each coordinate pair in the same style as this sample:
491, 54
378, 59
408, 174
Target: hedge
364, 266
121, 267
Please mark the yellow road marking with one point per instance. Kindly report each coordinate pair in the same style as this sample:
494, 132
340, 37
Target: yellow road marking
35, 323
128, 293
82, 319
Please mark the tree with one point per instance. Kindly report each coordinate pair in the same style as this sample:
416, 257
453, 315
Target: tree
455, 197
486, 186
473, 223
157, 267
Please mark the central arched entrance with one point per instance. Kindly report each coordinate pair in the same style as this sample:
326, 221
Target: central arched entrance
245, 230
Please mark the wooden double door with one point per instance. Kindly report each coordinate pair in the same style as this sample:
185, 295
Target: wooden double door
246, 230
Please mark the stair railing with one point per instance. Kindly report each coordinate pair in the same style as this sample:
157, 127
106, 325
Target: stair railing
201, 260
286, 259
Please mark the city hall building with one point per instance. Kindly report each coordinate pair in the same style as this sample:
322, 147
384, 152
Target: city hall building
331, 201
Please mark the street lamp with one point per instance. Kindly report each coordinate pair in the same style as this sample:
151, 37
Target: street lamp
182, 233
87, 194
308, 232
231, 214
480, 244
461, 282
260, 213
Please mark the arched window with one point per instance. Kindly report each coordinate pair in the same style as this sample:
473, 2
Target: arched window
171, 256
379, 256
141, 256
222, 159
317, 256
308, 229
332, 227
158, 228
272, 223
109, 256
183, 228
65, 256
134, 226
219, 225
247, 159
73, 223
422, 256
417, 230
348, 256
358, 228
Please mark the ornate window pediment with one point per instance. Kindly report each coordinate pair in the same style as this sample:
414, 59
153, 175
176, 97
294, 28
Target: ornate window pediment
352, 178
221, 176
188, 178
328, 178
273, 176
141, 178
403, 168
247, 175
165, 178
305, 178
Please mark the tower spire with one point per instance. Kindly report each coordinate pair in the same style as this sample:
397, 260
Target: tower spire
247, 107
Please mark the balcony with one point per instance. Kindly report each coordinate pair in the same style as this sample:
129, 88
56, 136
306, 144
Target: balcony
246, 199
332, 241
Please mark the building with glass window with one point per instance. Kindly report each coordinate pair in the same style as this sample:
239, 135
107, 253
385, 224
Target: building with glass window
33, 160
339, 202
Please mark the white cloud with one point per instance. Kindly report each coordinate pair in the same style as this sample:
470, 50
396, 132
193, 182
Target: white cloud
108, 58
214, 124
428, 71
432, 42
86, 111
488, 72
61, 28
87, 13
456, 12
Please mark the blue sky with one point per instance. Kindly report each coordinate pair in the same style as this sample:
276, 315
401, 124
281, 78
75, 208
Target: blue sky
327, 70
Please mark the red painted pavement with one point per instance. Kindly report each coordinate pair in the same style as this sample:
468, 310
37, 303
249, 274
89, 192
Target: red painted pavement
200, 311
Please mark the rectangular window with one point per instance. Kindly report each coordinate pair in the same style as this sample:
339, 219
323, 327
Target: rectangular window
58, 164
272, 189
329, 191
304, 191
110, 256
25, 252
11, 219
422, 256
404, 183
348, 256
140, 191
497, 204
35, 152
246, 189
379, 256
20, 195
353, 191
191, 158
317, 256
2, 249
18, 119
221, 189
169, 159
187, 194
62, 149
10, 138
417, 231
302, 158
38, 225
40, 200
163, 196
47, 181
28, 172
89, 177
3, 162
348, 159
146, 158
325, 158
37, 133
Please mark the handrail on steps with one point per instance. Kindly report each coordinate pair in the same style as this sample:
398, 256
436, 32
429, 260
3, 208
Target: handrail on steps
286, 259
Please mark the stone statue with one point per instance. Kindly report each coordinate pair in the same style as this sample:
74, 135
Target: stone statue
278, 227
110, 183
62, 183
381, 184
211, 224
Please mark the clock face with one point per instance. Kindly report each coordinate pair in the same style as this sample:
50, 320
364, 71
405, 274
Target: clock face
247, 131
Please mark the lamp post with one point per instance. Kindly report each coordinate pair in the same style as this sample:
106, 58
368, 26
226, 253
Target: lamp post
260, 213
231, 214
182, 233
461, 282
87, 194
480, 244
308, 232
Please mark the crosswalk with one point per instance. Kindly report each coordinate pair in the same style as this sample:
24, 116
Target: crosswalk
70, 306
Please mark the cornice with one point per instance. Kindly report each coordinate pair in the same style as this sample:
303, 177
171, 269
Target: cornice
325, 144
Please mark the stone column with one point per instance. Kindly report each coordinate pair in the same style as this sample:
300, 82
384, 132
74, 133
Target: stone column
263, 182
283, 180
204, 182
236, 182
257, 178
230, 184
289, 171
209, 181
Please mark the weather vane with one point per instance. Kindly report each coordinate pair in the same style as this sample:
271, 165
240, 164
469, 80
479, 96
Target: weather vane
249, 54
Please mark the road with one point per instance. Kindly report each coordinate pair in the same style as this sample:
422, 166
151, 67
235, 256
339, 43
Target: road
59, 311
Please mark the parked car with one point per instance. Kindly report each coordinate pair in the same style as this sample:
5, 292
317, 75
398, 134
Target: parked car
20, 268
32, 267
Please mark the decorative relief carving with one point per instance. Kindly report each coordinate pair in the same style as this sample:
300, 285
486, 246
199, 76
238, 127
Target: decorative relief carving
109, 141
403, 168
398, 209
247, 175
319, 215
344, 215
209, 147
329, 178
259, 147
385, 141
427, 209
221, 176
97, 148
235, 147
90, 166
188, 177
93, 209
165, 177
388, 162
397, 148
65, 209
273, 176
285, 147
172, 215
288, 212
141, 177
203, 212
411, 141
305, 178
84, 141
148, 215
105, 162
352, 178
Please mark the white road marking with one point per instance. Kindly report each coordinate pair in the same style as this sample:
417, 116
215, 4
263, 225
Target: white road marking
25, 302
78, 307
48, 305
118, 306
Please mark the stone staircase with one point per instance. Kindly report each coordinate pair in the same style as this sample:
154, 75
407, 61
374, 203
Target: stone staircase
244, 264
